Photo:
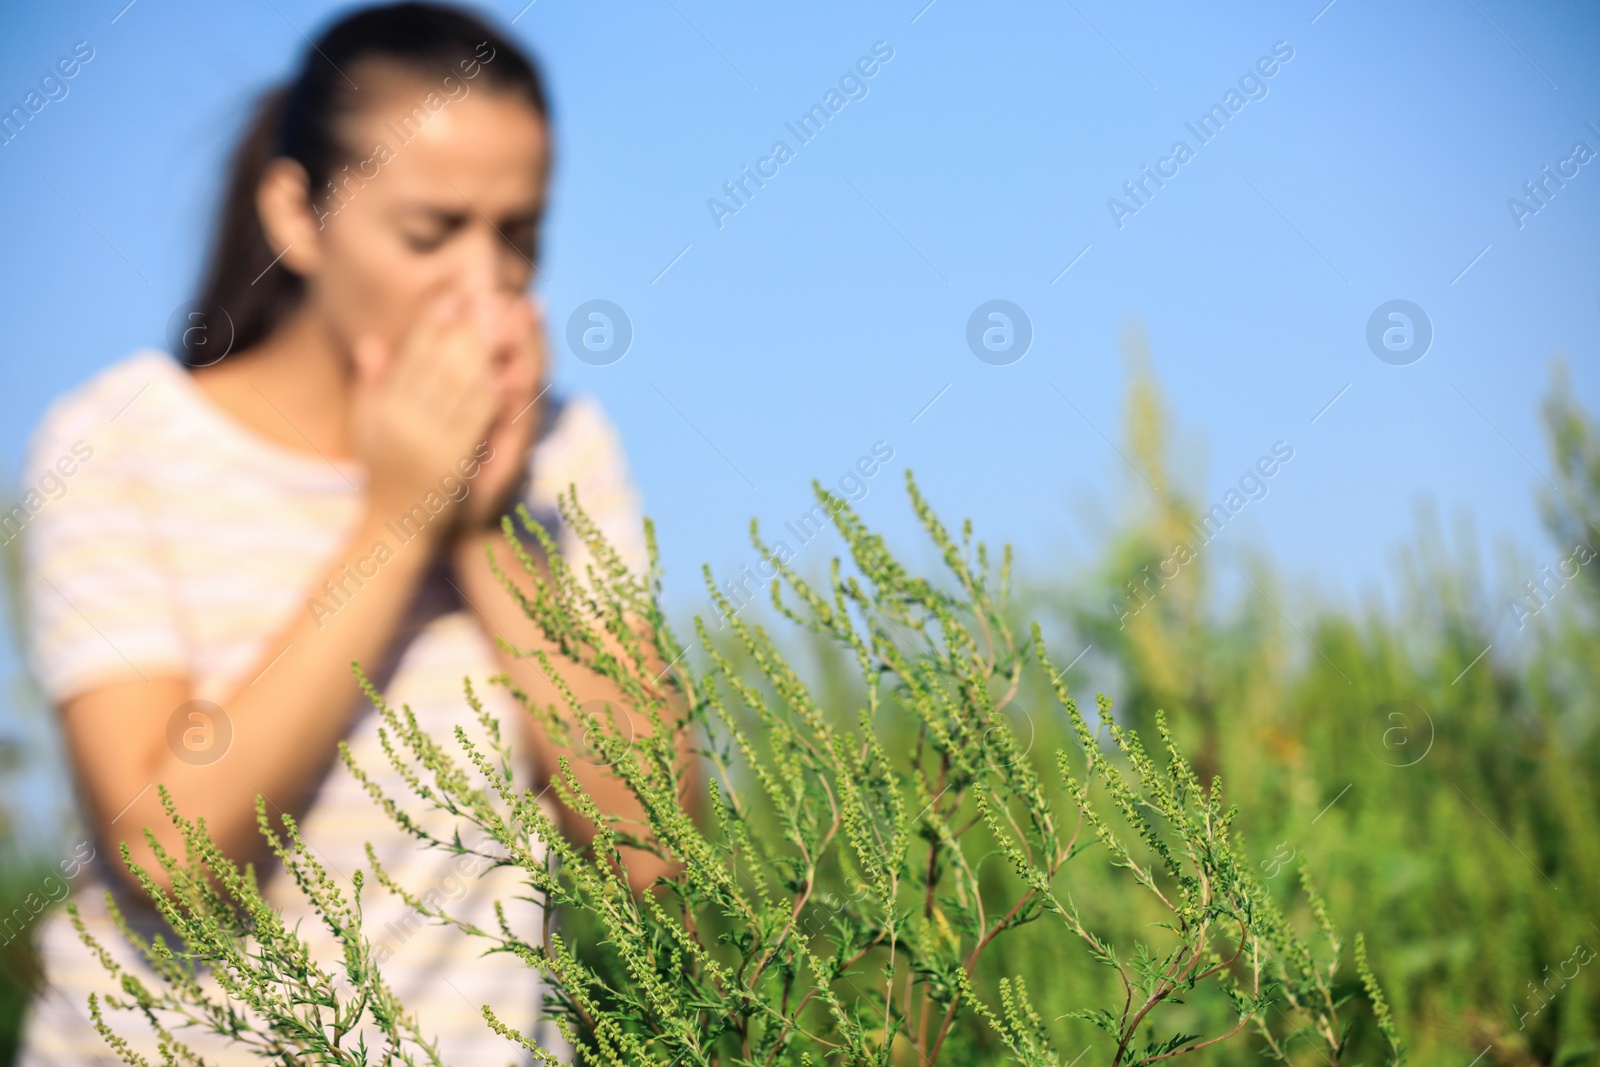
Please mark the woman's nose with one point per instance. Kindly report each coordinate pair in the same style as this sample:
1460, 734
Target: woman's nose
485, 269
478, 273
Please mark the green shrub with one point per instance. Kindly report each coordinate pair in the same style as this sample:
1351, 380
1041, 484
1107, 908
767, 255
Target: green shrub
856, 886
1469, 859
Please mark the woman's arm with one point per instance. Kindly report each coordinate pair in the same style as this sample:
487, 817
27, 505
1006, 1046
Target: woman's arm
285, 720
414, 416
512, 436
502, 616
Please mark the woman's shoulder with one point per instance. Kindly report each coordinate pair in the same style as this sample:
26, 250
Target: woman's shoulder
574, 426
580, 447
135, 389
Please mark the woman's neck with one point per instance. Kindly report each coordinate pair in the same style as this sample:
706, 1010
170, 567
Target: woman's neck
294, 388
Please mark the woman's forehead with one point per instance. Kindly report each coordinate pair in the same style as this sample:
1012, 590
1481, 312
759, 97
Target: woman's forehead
437, 151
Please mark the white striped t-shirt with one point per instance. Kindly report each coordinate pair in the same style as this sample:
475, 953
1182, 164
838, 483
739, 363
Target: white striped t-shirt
160, 536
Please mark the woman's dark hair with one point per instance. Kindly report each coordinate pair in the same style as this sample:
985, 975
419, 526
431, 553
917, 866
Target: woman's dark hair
303, 120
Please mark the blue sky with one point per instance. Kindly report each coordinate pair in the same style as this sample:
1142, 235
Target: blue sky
781, 342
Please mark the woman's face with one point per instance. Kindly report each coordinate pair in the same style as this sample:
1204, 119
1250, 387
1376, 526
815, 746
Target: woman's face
446, 190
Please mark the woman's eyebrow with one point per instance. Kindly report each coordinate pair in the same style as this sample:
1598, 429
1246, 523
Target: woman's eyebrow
448, 216
451, 216
526, 217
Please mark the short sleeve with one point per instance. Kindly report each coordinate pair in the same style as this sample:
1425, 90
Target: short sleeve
584, 450
99, 603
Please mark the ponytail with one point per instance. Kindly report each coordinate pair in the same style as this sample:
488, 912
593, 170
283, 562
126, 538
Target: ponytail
235, 291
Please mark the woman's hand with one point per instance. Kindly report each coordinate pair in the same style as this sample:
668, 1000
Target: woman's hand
424, 406
519, 371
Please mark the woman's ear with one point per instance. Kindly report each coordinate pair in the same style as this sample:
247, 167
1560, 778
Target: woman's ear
292, 225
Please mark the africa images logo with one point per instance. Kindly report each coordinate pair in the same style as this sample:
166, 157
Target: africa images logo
1252, 85
852, 85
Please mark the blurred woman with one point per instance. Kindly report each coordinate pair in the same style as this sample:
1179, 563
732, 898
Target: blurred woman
358, 397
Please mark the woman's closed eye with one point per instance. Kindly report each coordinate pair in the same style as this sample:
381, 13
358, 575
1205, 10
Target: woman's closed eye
425, 228
431, 236
523, 236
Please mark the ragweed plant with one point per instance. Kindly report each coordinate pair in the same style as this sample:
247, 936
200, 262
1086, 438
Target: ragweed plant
845, 879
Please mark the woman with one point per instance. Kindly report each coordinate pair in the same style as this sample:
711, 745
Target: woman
238, 530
